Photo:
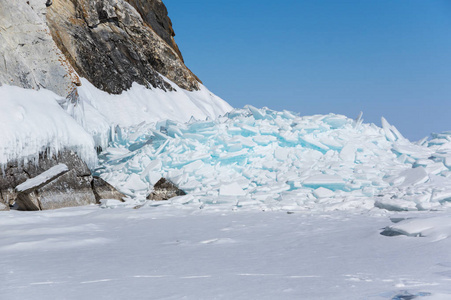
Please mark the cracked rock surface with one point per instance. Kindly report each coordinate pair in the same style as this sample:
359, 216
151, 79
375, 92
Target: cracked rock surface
114, 43
29, 58
73, 186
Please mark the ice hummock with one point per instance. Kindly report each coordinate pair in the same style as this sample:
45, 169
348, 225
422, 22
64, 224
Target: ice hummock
274, 160
437, 227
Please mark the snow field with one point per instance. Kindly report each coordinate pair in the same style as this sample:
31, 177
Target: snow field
162, 253
267, 160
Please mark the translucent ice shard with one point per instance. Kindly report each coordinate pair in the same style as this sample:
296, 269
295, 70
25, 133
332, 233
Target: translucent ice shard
324, 180
279, 160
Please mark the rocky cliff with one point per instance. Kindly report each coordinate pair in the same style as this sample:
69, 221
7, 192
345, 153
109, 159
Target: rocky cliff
112, 43
29, 58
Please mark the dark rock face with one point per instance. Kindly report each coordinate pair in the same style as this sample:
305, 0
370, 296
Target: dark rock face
114, 43
17, 173
73, 187
155, 14
164, 190
69, 158
66, 190
104, 190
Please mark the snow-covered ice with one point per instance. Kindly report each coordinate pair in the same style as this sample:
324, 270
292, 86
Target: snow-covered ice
438, 227
165, 253
37, 121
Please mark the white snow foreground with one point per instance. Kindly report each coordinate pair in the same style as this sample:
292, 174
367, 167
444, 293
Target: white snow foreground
162, 253
35, 121
268, 160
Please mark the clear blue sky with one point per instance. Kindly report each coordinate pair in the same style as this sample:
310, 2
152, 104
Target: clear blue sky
388, 58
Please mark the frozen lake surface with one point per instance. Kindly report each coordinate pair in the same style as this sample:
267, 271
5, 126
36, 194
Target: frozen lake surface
166, 253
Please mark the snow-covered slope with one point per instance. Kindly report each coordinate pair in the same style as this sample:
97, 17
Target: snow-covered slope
140, 104
32, 122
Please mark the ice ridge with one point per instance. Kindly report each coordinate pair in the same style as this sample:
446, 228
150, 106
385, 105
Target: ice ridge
270, 160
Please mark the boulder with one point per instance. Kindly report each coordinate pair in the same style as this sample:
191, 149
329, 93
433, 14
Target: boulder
104, 190
164, 190
53, 181
64, 189
17, 172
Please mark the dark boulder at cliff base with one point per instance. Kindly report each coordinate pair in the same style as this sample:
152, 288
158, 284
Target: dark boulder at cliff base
104, 190
165, 190
53, 181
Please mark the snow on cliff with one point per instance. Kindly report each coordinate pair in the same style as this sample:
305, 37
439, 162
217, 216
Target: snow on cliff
32, 122
35, 121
